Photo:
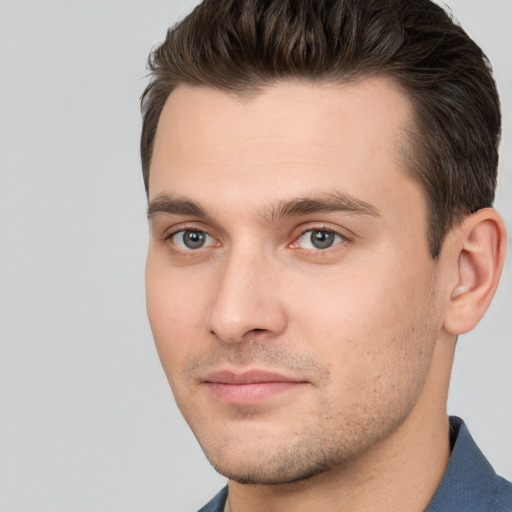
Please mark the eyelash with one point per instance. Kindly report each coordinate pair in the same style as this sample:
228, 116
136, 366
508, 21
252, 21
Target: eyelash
168, 237
190, 252
323, 229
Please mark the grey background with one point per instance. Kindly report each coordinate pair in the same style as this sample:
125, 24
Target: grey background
87, 422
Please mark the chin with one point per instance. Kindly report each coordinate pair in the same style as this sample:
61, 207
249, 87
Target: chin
284, 455
266, 477
276, 465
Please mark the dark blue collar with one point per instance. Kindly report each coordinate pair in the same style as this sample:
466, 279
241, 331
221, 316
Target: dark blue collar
470, 483
218, 503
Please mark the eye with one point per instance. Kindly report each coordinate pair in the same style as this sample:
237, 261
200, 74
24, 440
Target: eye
190, 239
319, 239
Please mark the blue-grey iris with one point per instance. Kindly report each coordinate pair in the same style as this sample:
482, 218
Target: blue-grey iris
194, 239
322, 239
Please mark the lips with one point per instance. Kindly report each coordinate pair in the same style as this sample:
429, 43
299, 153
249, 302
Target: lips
250, 387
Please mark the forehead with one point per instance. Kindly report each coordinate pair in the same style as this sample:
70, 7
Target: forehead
291, 138
299, 109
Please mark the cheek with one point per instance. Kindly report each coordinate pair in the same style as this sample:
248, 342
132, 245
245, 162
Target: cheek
355, 317
175, 305
373, 335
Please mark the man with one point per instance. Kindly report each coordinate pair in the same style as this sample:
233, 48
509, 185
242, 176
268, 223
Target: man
320, 177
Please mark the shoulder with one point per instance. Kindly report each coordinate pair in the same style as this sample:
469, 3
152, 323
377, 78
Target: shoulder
470, 482
217, 503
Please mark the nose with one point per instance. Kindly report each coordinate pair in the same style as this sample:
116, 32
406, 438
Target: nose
247, 302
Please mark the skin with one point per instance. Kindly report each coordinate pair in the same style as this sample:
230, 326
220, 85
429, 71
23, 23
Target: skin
365, 328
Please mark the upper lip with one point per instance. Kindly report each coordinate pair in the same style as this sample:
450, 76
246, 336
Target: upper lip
247, 377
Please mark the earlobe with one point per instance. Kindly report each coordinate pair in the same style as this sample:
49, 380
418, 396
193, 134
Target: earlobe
478, 261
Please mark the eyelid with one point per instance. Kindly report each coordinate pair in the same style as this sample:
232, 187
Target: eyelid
169, 233
344, 234
182, 246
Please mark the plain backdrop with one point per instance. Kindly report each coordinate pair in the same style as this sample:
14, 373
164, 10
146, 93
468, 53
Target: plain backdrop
87, 421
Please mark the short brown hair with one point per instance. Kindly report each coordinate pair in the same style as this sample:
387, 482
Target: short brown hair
239, 46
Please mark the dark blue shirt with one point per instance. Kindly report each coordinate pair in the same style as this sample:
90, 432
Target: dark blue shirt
469, 484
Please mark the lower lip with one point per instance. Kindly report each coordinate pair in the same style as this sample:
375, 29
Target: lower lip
253, 393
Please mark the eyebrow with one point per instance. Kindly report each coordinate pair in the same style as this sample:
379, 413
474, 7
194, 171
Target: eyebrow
325, 203
166, 204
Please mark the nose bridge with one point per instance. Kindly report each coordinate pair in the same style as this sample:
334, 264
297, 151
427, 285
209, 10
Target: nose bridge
246, 298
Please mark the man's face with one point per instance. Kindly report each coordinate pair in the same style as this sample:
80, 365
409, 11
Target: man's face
289, 286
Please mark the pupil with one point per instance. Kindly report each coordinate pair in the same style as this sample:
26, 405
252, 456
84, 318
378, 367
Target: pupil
194, 239
322, 239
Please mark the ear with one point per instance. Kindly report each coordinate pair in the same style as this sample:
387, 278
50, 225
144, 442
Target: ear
476, 259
